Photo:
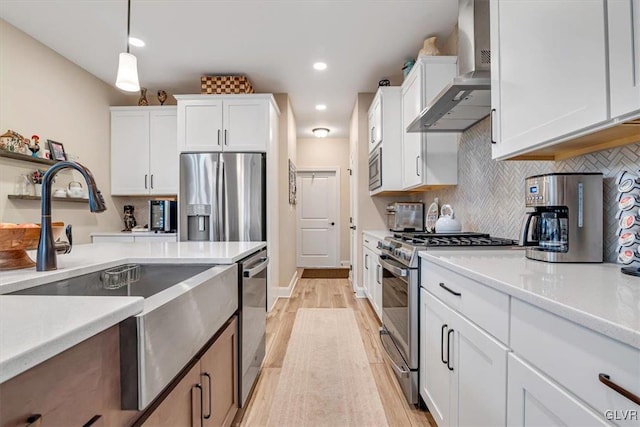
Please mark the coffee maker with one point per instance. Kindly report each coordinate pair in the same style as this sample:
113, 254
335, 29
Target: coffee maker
566, 222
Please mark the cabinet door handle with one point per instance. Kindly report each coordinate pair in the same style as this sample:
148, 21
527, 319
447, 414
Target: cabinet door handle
442, 344
606, 380
34, 420
226, 137
449, 349
93, 421
218, 136
378, 275
199, 387
366, 261
635, 41
443, 286
152, 181
493, 110
145, 181
417, 161
206, 374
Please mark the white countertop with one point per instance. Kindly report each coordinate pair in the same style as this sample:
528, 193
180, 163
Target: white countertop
36, 328
597, 296
378, 234
130, 233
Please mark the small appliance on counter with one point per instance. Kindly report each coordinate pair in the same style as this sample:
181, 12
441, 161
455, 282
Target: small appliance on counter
448, 223
129, 219
567, 218
628, 216
163, 216
405, 216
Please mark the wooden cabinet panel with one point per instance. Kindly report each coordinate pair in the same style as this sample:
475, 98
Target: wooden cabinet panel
219, 378
70, 388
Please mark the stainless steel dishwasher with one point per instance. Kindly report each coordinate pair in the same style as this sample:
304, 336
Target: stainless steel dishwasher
253, 319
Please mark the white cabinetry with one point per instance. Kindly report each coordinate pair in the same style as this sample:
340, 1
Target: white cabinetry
372, 274
556, 77
238, 123
463, 370
428, 159
144, 156
385, 132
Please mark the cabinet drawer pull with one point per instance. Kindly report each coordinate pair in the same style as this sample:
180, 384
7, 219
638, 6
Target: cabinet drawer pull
34, 420
199, 387
417, 161
449, 349
93, 421
226, 137
206, 374
443, 286
606, 380
442, 344
493, 110
146, 177
152, 181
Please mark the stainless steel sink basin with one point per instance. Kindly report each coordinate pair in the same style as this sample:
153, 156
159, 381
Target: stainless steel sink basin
184, 306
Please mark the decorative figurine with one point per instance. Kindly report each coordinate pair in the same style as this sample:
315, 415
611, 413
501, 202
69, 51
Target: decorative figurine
162, 96
14, 142
34, 147
129, 219
429, 48
142, 102
384, 82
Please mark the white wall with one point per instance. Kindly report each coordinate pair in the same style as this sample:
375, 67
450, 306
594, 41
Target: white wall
43, 93
330, 152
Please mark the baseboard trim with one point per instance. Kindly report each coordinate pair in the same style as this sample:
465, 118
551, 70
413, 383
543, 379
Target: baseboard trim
360, 293
285, 292
345, 263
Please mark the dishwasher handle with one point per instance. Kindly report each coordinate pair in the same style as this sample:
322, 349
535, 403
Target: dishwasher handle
251, 272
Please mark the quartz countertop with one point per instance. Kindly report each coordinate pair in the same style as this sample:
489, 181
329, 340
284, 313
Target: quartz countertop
597, 296
145, 233
36, 328
378, 234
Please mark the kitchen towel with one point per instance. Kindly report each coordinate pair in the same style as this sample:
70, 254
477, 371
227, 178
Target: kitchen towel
326, 379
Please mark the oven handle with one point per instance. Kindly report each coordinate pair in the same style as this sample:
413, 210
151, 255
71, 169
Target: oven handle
398, 271
399, 369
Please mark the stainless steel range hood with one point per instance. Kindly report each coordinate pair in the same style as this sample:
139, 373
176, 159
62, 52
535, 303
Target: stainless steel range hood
467, 99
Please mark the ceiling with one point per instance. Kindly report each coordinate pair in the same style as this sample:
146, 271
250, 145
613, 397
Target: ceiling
273, 42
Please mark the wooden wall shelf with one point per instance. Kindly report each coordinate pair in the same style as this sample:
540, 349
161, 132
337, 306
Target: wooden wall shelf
55, 199
25, 158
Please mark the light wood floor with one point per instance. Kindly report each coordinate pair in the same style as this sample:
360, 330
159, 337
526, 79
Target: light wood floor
327, 293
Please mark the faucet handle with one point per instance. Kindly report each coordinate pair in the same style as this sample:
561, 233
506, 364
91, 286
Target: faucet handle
65, 247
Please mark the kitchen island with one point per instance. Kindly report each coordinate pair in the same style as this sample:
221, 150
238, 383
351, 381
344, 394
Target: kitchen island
35, 328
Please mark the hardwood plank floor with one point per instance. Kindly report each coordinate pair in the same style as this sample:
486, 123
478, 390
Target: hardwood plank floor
327, 293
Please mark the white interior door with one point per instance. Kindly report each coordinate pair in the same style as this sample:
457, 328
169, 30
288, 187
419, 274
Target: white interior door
318, 217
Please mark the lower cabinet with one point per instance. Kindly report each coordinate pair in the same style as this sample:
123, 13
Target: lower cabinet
463, 370
372, 276
208, 394
535, 400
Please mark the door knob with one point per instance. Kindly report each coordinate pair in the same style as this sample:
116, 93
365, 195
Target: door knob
353, 227
333, 223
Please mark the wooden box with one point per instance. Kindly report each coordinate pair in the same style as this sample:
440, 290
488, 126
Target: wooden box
225, 85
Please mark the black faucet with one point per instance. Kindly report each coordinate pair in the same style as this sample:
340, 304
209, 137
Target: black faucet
46, 259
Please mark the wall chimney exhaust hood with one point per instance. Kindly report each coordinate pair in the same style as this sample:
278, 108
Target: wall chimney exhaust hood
467, 99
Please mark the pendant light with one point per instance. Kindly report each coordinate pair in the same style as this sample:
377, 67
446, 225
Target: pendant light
127, 79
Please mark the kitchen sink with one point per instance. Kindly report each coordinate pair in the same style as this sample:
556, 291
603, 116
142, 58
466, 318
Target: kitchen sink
184, 306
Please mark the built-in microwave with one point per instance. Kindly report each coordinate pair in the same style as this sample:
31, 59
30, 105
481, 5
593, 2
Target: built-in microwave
375, 169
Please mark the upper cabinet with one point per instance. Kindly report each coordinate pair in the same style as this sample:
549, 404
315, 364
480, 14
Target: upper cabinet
385, 137
239, 123
428, 159
558, 75
144, 155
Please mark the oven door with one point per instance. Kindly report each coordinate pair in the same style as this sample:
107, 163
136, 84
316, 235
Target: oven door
400, 308
375, 169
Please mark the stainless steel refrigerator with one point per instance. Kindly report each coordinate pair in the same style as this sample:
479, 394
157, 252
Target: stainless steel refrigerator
223, 198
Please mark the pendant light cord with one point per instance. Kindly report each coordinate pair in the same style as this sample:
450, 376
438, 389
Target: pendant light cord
128, 22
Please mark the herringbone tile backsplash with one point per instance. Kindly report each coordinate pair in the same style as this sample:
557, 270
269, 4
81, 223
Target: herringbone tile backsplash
489, 196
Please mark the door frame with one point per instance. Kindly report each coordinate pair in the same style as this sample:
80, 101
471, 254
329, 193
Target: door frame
336, 170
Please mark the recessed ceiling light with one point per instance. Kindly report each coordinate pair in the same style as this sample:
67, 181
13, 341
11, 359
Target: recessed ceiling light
321, 107
134, 41
320, 132
320, 66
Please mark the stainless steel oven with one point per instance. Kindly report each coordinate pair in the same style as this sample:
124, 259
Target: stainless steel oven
375, 169
399, 333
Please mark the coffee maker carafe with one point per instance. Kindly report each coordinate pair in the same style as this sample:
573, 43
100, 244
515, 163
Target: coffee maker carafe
566, 222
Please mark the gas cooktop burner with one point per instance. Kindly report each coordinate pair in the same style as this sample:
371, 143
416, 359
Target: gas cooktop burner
451, 239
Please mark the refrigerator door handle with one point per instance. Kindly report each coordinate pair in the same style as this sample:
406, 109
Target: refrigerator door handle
222, 217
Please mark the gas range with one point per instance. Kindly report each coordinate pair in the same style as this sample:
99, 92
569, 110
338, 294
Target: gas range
404, 247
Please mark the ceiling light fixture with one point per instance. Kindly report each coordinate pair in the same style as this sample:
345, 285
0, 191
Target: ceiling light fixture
320, 66
134, 41
321, 107
320, 132
127, 78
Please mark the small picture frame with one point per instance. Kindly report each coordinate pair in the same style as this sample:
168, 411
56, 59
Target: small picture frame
57, 150
292, 183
